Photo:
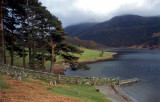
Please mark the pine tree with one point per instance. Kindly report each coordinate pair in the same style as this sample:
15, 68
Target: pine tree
22, 30
11, 29
2, 32
12, 23
29, 36
38, 33
38, 30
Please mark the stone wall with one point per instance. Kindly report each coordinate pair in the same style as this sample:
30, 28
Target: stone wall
22, 72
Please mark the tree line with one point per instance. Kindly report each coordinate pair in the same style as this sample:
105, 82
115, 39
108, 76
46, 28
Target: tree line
29, 29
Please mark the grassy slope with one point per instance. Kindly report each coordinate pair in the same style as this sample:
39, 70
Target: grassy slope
88, 55
82, 92
93, 54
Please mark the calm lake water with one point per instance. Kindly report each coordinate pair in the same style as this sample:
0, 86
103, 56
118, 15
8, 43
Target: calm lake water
142, 64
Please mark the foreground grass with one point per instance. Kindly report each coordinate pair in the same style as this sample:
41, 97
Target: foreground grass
82, 92
2, 85
87, 93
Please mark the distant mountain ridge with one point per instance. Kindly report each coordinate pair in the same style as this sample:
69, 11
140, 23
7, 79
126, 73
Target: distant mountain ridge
74, 30
127, 30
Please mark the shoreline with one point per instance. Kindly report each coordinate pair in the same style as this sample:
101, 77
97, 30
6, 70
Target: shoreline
113, 56
116, 94
61, 68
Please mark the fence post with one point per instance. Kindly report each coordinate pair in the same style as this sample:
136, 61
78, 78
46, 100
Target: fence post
59, 78
93, 81
77, 81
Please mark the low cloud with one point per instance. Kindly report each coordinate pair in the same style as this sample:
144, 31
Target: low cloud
79, 11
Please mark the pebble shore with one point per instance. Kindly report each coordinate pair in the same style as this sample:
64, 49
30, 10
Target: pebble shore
116, 94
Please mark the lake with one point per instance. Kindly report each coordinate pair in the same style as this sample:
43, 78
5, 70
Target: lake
142, 64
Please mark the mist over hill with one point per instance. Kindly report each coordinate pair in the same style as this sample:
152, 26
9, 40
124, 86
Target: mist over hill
120, 31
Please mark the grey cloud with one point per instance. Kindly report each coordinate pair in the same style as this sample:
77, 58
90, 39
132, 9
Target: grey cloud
147, 9
69, 14
76, 16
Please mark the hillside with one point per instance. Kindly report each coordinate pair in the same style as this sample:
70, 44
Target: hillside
94, 55
84, 43
33, 90
74, 30
123, 31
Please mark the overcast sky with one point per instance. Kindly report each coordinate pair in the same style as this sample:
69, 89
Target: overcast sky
79, 11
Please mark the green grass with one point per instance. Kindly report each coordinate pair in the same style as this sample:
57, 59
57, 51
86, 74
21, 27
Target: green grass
3, 85
86, 56
93, 54
82, 92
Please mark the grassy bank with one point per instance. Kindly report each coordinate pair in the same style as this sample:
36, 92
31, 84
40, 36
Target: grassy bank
94, 55
88, 56
78, 93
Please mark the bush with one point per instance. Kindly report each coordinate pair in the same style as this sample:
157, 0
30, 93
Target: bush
83, 66
79, 66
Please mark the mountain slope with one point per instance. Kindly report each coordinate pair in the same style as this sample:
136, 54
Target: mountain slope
123, 31
84, 43
74, 30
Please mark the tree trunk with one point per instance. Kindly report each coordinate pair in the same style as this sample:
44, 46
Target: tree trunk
51, 69
24, 60
52, 57
2, 32
33, 47
42, 60
30, 57
42, 47
29, 36
12, 42
4, 50
12, 57
5, 57
33, 62
52, 60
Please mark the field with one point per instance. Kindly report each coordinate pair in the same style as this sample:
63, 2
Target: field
93, 55
41, 91
88, 56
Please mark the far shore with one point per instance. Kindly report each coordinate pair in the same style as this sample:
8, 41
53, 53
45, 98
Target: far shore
112, 57
61, 68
